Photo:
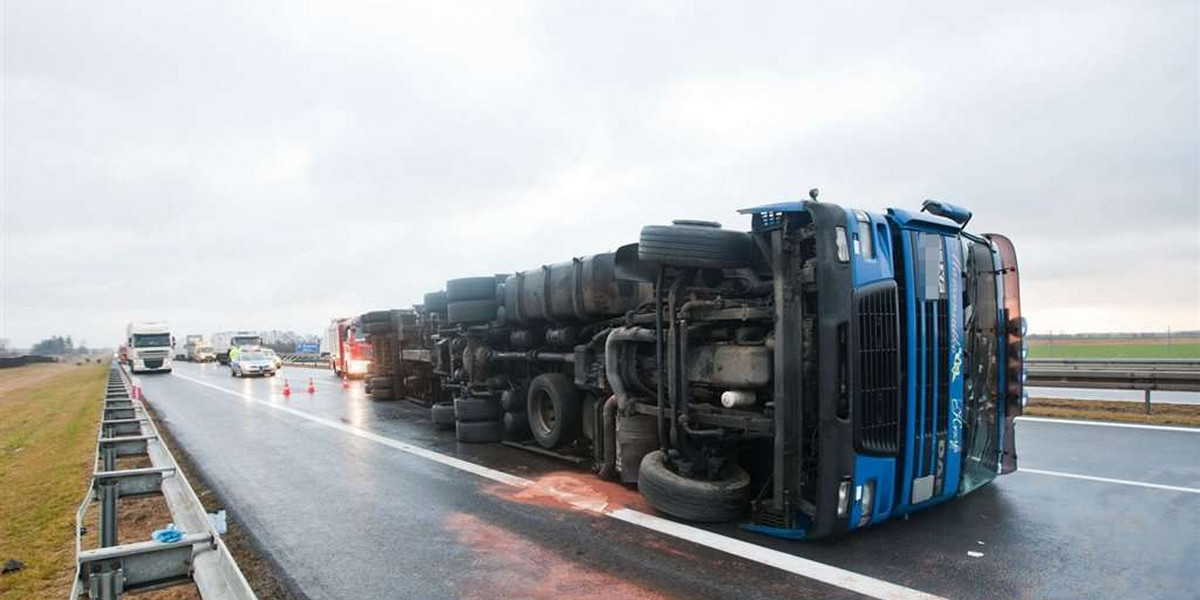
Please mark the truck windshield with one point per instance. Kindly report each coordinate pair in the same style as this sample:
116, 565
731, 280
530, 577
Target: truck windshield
981, 418
151, 340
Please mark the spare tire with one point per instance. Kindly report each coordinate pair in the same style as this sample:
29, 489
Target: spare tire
471, 288
471, 311
435, 302
693, 499
695, 244
442, 415
554, 409
479, 431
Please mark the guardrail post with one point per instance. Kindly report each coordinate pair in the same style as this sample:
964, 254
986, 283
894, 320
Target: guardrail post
107, 490
1147, 400
109, 456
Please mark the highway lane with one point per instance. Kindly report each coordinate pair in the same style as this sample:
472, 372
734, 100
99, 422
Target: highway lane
348, 517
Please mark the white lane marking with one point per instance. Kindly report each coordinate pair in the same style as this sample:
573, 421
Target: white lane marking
828, 574
1111, 424
1157, 486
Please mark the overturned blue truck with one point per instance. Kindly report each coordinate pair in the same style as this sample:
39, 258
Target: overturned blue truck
825, 371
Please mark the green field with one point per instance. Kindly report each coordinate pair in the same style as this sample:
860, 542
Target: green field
47, 444
1067, 349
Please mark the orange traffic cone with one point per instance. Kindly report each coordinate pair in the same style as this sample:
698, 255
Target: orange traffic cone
345, 382
311, 387
287, 389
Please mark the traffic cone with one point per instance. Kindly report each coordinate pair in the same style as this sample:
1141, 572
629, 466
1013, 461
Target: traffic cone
287, 389
345, 382
311, 387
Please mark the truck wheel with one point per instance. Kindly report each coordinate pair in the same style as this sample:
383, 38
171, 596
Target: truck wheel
516, 425
692, 499
442, 414
471, 288
471, 311
476, 409
382, 393
376, 316
554, 409
435, 302
695, 244
478, 432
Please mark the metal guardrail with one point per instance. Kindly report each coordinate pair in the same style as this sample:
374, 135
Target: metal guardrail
305, 360
1146, 375
113, 569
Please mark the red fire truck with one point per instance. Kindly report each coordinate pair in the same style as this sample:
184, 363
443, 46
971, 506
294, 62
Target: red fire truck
349, 352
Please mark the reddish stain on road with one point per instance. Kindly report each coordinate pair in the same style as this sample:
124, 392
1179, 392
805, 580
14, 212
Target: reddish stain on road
510, 566
565, 489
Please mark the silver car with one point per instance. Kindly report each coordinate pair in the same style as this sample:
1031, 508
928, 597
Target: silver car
252, 362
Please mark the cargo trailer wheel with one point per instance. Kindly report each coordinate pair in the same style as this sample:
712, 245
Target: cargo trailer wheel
693, 499
376, 316
695, 244
471, 288
435, 302
476, 409
554, 409
478, 432
471, 311
442, 415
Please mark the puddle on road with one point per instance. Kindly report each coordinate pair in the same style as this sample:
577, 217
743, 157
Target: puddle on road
510, 566
573, 491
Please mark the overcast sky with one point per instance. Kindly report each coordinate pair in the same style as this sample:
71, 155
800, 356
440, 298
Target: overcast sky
256, 165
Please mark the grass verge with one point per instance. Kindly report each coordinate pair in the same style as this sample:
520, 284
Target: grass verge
47, 444
1111, 410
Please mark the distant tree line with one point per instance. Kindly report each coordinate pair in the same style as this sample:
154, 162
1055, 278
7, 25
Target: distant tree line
58, 345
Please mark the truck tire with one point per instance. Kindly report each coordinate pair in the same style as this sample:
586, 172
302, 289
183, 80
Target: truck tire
476, 409
435, 302
555, 410
516, 425
695, 244
376, 316
471, 288
382, 392
442, 415
378, 327
693, 499
471, 311
478, 432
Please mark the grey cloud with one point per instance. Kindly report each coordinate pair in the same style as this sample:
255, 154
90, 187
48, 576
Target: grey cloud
361, 153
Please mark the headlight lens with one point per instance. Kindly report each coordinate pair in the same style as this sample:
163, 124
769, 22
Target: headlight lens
868, 503
843, 505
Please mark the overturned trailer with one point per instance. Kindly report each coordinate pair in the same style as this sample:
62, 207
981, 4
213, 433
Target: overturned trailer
828, 370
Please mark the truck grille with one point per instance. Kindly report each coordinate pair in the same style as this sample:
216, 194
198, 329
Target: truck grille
933, 393
878, 370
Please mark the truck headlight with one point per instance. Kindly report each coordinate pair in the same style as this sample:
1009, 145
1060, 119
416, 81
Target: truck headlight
868, 503
843, 505
359, 366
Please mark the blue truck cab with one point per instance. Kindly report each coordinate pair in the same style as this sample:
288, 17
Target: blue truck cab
908, 389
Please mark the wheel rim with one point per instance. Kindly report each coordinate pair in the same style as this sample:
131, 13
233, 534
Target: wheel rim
542, 413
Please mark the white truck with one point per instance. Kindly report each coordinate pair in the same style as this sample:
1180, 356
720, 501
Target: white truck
149, 346
223, 341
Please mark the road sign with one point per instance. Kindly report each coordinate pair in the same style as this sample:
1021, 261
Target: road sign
311, 348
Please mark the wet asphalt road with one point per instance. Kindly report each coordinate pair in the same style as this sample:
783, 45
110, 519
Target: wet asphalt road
346, 516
